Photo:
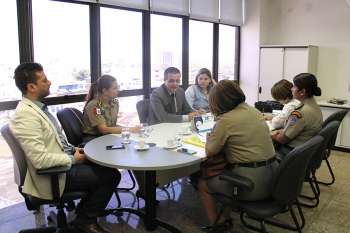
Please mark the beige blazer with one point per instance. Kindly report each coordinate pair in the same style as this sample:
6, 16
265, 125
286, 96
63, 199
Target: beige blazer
41, 144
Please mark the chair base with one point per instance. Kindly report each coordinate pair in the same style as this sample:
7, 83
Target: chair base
314, 200
297, 226
330, 172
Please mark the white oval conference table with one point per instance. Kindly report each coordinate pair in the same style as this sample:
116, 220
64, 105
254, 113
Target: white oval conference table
150, 161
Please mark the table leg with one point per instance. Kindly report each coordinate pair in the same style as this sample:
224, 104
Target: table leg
150, 200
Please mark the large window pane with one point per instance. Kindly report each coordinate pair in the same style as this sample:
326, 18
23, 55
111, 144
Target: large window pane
127, 110
227, 52
121, 45
9, 55
62, 44
200, 47
166, 46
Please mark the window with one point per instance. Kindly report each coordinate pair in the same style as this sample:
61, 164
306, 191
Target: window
62, 45
166, 46
9, 56
121, 46
127, 110
227, 52
200, 47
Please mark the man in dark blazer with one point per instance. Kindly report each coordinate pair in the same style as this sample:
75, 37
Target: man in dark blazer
168, 102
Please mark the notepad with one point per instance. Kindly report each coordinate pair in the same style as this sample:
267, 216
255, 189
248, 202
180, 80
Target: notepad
194, 140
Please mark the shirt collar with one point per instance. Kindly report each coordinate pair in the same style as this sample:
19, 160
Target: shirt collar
41, 105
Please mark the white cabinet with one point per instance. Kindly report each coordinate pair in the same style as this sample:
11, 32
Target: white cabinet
284, 62
343, 139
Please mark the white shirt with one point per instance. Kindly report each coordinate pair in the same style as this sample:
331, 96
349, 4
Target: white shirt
278, 121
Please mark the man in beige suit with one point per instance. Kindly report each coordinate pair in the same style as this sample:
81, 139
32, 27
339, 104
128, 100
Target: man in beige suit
45, 146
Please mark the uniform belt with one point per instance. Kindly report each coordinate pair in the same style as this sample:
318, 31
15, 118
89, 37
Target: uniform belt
255, 164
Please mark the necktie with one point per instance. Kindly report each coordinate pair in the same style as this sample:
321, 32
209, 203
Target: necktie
173, 102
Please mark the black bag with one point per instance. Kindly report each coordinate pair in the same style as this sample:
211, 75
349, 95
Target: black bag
268, 106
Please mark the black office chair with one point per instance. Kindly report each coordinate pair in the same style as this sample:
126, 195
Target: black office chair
142, 108
337, 116
285, 190
328, 133
72, 123
34, 203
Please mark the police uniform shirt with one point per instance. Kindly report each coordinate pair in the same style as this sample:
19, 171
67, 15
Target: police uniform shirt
97, 113
242, 135
303, 123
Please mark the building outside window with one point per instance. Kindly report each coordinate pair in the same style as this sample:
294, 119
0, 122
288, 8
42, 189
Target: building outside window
62, 45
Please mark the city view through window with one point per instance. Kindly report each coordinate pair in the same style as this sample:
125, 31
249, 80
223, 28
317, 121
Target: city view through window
61, 43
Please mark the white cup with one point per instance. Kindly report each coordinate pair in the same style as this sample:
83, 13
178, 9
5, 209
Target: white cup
142, 144
170, 143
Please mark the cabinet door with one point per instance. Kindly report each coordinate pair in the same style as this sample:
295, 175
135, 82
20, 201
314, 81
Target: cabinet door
345, 132
326, 112
295, 62
271, 69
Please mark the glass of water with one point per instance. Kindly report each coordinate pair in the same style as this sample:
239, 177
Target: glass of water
144, 130
126, 135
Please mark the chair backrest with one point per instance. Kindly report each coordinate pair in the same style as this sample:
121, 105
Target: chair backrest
291, 171
142, 108
20, 164
71, 120
328, 133
337, 116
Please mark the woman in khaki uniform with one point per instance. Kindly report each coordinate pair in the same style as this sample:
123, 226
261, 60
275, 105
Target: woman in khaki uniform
101, 108
242, 137
305, 121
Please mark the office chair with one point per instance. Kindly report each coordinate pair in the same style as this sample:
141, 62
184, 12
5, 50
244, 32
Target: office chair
337, 116
72, 123
142, 108
34, 203
328, 133
285, 190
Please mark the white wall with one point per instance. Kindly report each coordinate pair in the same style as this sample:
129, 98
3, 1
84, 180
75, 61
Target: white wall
324, 23
250, 42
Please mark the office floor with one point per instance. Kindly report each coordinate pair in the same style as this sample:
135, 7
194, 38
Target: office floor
180, 206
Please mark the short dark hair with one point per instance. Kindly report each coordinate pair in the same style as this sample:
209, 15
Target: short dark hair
282, 90
225, 96
308, 82
25, 73
170, 70
206, 72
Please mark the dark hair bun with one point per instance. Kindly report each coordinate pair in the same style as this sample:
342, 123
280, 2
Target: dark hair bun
317, 91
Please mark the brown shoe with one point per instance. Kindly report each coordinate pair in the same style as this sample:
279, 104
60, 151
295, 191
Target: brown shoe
90, 228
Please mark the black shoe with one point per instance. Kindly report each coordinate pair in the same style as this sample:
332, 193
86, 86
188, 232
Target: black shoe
89, 228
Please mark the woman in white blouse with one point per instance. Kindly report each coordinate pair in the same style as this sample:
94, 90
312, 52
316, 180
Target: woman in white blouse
281, 91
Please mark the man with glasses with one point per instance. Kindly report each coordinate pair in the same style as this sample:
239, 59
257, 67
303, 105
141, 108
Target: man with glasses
168, 102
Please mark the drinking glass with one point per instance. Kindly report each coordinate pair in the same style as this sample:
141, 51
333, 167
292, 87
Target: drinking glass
126, 135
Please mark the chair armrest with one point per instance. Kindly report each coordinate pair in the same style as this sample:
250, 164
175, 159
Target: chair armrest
238, 181
53, 170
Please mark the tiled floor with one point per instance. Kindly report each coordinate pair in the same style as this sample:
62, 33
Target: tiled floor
180, 206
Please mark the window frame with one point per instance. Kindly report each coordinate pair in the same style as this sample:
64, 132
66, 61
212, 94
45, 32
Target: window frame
26, 50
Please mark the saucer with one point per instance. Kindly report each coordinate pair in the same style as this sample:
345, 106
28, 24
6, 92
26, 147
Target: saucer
172, 146
186, 133
146, 147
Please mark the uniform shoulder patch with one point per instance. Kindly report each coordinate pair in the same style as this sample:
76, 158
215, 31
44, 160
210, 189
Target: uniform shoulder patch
296, 114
